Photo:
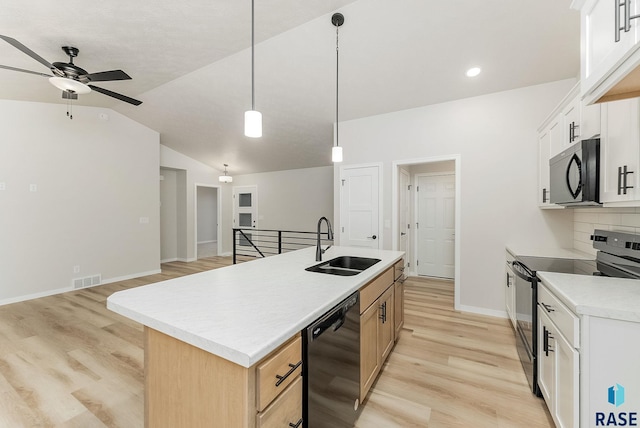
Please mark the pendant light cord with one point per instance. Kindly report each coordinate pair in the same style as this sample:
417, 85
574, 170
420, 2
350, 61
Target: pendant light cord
253, 84
337, 75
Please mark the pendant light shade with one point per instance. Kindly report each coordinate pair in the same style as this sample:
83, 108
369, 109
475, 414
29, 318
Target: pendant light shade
253, 118
253, 124
336, 152
225, 178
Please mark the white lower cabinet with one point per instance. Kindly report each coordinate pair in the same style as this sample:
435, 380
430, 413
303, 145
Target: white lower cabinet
559, 360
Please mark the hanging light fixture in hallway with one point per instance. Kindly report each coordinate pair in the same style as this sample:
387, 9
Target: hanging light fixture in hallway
225, 178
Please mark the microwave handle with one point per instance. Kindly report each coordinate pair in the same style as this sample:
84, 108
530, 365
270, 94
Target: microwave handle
575, 159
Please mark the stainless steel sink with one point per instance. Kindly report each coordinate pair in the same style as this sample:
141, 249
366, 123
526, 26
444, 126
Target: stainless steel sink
344, 265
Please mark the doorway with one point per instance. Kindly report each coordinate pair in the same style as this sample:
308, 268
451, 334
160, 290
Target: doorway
441, 165
207, 224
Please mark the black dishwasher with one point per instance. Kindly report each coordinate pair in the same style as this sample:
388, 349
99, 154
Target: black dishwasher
331, 368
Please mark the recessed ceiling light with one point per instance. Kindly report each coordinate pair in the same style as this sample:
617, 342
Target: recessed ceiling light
473, 72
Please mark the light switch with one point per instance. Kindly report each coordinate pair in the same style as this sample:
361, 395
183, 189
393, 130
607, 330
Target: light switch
33, 187
144, 220
3, 186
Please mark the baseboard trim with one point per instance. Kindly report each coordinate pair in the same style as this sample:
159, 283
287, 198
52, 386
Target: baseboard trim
483, 311
175, 259
48, 293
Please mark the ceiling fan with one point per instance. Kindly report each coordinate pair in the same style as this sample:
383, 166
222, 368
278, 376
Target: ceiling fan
70, 78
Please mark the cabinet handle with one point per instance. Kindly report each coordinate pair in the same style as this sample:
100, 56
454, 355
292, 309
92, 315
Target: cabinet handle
617, 22
548, 308
572, 132
622, 180
545, 341
627, 18
383, 315
544, 195
293, 368
296, 425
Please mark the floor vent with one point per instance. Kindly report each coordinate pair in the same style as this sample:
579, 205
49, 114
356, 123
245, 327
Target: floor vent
88, 281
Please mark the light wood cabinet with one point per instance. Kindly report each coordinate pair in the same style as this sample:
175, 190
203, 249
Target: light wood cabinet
187, 386
377, 328
398, 297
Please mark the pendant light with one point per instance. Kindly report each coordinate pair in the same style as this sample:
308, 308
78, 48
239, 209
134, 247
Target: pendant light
252, 118
336, 152
226, 178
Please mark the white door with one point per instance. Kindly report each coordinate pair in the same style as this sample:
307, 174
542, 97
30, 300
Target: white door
436, 225
245, 210
359, 208
404, 193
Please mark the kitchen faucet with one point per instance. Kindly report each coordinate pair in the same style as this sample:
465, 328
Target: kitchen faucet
319, 250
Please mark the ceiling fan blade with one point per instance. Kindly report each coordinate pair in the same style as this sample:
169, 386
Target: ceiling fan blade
16, 44
69, 95
105, 76
116, 95
24, 71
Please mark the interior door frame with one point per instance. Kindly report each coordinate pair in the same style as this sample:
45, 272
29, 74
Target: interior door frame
195, 216
395, 198
416, 212
338, 212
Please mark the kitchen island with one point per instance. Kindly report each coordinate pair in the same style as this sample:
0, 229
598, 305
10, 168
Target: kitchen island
208, 335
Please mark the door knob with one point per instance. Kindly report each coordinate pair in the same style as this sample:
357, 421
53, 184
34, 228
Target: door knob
372, 237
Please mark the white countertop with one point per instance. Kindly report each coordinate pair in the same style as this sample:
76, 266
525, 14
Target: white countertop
604, 297
245, 311
558, 253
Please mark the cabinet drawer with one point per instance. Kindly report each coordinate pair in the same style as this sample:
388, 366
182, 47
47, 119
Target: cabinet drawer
566, 321
398, 270
278, 371
286, 410
370, 292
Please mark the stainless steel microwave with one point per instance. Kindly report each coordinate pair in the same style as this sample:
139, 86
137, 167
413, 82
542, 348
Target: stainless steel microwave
575, 175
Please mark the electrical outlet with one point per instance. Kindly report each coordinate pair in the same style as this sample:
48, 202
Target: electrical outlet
144, 220
3, 186
33, 187
76, 269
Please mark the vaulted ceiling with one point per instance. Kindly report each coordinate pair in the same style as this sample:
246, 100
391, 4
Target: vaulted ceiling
191, 65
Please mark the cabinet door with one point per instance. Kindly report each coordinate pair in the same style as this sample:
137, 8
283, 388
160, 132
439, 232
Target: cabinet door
546, 359
556, 137
566, 384
602, 53
398, 307
386, 327
544, 144
620, 149
572, 123
369, 356
589, 121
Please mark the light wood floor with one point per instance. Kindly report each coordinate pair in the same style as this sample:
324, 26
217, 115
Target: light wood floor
67, 361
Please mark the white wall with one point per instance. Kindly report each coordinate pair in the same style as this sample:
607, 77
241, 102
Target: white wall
293, 199
207, 198
190, 173
496, 138
95, 180
586, 220
168, 215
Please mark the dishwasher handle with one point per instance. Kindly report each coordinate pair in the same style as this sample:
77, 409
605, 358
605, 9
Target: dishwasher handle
334, 319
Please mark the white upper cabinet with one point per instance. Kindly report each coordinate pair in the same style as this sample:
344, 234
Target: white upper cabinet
609, 38
620, 153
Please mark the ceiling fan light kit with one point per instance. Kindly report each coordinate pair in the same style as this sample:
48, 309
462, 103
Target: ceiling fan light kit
336, 152
253, 118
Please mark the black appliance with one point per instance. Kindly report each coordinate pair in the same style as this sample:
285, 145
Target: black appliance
618, 256
331, 368
575, 175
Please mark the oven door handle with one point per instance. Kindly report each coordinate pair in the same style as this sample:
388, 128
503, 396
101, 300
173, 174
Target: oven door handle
518, 269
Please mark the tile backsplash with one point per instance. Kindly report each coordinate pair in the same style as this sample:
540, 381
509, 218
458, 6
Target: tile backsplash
586, 220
